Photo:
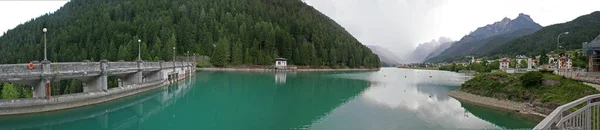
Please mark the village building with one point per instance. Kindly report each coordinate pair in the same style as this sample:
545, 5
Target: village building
280, 63
504, 63
592, 51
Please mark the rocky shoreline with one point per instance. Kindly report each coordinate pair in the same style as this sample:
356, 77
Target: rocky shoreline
262, 69
519, 107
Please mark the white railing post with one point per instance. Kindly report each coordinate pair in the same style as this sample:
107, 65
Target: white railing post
588, 116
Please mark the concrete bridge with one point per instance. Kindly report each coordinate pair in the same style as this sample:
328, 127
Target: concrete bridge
134, 77
140, 108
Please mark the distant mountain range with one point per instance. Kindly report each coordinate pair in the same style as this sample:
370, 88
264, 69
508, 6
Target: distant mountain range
582, 29
387, 57
430, 49
485, 38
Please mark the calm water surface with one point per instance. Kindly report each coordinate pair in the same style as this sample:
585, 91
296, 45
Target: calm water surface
389, 99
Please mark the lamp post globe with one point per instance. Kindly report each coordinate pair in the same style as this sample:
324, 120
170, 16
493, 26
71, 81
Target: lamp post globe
45, 30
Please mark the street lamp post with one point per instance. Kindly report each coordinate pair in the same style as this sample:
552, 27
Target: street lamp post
558, 48
139, 50
173, 54
45, 54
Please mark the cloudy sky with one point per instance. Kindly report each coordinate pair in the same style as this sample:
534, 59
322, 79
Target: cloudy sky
15, 12
396, 24
402, 24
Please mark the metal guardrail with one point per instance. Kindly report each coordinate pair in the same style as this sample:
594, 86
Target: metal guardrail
585, 118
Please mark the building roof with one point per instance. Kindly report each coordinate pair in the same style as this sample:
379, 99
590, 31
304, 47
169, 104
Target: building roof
280, 59
505, 60
592, 47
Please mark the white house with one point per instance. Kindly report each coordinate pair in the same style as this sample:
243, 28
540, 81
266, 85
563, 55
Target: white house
280, 63
504, 63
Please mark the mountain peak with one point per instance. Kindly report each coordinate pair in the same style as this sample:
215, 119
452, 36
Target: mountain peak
506, 19
524, 16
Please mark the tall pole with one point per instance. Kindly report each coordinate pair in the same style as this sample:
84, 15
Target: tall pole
139, 50
173, 54
558, 40
557, 48
45, 54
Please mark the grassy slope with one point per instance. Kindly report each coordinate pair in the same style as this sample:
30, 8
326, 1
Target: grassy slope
507, 86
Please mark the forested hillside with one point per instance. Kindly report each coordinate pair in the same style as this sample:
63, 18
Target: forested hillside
583, 29
231, 32
488, 36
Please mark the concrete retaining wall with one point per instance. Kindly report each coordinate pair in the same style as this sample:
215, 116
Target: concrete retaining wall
34, 105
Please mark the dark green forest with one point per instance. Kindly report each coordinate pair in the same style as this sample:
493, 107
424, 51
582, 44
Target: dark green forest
231, 32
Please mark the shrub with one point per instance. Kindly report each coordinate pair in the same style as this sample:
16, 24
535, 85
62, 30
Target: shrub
531, 79
546, 71
9, 91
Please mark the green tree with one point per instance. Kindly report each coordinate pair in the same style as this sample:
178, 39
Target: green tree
221, 55
167, 52
543, 57
156, 49
523, 64
124, 53
9, 91
513, 63
531, 79
495, 65
236, 53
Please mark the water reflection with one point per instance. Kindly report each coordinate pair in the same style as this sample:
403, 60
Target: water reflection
281, 76
252, 100
128, 113
388, 99
408, 99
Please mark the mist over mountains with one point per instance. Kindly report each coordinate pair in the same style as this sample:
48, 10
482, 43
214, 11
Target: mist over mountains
387, 57
430, 49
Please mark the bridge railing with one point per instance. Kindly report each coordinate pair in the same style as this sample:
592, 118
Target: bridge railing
563, 117
122, 65
168, 64
12, 70
74, 67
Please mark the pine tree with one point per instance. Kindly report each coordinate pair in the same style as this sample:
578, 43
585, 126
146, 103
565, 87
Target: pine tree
167, 52
221, 55
236, 53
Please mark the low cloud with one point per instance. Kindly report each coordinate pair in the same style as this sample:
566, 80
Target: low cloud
394, 24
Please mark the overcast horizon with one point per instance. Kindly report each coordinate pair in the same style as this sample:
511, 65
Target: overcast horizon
399, 25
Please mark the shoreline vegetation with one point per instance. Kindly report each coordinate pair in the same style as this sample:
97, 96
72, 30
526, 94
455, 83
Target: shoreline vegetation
533, 93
